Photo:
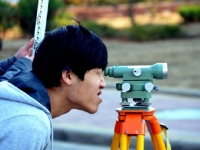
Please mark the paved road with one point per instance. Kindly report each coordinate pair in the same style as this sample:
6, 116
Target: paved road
58, 145
179, 113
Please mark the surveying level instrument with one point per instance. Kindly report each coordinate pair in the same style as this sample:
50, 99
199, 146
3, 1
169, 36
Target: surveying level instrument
40, 25
137, 84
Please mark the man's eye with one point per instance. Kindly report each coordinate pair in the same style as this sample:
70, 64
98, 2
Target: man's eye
99, 72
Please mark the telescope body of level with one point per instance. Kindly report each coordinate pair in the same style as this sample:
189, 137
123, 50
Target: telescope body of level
157, 71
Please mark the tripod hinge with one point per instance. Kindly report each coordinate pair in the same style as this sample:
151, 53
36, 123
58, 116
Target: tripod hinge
148, 118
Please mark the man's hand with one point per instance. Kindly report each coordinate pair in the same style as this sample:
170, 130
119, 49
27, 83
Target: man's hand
26, 51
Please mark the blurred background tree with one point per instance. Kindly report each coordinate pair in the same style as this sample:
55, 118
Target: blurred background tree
7, 18
59, 14
131, 12
72, 2
62, 19
27, 11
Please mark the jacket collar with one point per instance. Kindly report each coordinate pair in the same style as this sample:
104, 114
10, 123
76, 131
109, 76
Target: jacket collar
31, 85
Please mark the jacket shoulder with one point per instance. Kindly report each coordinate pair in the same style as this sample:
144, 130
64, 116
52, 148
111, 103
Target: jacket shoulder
24, 132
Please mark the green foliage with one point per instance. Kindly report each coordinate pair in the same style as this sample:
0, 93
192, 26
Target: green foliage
63, 19
27, 11
190, 13
7, 13
137, 32
154, 32
101, 29
108, 2
77, 2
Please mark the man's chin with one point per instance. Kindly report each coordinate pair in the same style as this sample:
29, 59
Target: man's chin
92, 111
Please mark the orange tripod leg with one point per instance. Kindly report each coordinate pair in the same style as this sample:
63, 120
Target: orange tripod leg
160, 141
115, 141
140, 142
124, 142
153, 139
155, 132
129, 141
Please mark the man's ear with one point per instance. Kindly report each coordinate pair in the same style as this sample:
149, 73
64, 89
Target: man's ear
66, 77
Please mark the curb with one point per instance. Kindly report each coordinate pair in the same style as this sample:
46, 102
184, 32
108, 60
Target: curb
164, 90
103, 136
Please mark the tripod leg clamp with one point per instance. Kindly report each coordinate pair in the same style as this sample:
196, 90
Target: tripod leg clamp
164, 129
162, 125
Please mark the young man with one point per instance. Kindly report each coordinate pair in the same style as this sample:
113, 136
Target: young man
67, 74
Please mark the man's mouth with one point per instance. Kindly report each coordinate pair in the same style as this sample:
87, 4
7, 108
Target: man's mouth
99, 93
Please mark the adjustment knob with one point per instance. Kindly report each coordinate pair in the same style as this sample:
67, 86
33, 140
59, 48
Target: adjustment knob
149, 87
126, 87
137, 72
156, 88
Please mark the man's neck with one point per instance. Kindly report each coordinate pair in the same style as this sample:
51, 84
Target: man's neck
59, 103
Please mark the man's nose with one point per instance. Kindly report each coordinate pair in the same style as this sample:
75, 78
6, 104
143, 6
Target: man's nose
103, 83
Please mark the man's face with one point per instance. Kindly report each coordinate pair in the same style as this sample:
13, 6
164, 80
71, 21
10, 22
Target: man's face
85, 94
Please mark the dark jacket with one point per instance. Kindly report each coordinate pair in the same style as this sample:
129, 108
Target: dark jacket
10, 67
5, 64
17, 72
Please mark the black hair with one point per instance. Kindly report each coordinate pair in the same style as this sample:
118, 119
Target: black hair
72, 48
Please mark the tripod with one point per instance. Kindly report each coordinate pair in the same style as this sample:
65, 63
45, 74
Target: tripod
130, 123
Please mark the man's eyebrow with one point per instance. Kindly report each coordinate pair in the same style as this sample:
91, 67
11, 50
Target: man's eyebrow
99, 70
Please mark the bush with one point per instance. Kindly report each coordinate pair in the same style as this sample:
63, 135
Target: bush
101, 29
137, 32
154, 32
27, 11
190, 13
7, 17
